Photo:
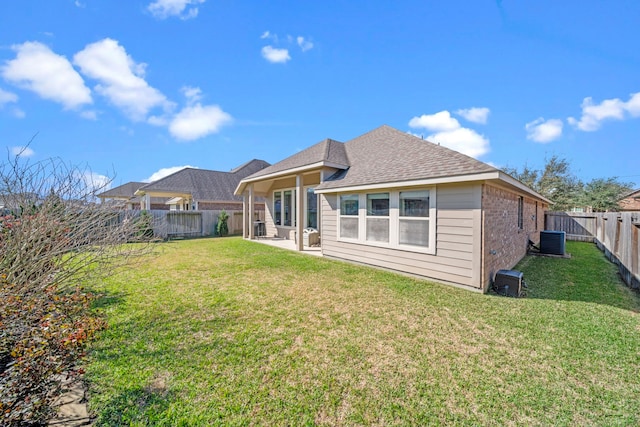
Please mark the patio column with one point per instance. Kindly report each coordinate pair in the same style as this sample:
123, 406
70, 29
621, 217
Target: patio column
251, 213
147, 202
245, 215
300, 196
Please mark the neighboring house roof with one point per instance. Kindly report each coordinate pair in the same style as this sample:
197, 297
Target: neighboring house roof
327, 152
385, 156
630, 202
123, 191
203, 184
635, 194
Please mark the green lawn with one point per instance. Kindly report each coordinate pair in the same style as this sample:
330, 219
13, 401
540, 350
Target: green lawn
229, 332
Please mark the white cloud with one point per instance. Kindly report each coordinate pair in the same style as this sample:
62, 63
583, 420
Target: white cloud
18, 113
166, 172
593, 115
475, 114
121, 79
51, 76
450, 134
544, 131
275, 55
467, 141
184, 9
158, 120
79, 4
633, 105
197, 121
94, 182
193, 94
7, 97
438, 122
89, 115
21, 151
304, 44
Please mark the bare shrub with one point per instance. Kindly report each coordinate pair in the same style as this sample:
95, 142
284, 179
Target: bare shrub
54, 240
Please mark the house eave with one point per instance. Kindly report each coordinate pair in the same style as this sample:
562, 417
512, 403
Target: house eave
416, 182
515, 183
485, 176
287, 172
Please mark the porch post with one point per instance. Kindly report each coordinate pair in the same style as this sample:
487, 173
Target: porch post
251, 213
300, 196
147, 202
245, 215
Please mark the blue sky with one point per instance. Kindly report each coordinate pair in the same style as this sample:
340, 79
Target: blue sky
134, 88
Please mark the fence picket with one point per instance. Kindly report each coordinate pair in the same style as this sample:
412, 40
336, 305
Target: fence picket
615, 233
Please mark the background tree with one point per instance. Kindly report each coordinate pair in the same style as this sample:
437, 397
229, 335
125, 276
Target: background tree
603, 194
555, 181
54, 241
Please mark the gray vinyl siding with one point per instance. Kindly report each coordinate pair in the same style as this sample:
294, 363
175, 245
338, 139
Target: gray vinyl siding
458, 239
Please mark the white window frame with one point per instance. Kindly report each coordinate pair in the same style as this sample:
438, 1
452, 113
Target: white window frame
293, 207
373, 217
394, 220
357, 217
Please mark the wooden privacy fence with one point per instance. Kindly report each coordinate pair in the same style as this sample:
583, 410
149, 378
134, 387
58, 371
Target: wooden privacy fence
172, 224
615, 233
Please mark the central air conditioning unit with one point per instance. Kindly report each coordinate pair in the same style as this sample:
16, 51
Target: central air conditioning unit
552, 242
509, 283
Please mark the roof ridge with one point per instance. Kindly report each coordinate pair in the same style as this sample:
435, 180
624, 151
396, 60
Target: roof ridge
327, 148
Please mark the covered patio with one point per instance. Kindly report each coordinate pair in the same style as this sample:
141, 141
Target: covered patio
292, 211
289, 245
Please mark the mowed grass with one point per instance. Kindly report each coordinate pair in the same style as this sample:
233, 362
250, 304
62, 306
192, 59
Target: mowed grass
230, 332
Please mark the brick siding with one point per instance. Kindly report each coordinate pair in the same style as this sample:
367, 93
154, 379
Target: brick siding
504, 243
630, 203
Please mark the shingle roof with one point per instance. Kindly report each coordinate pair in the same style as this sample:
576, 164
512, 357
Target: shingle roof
124, 190
328, 151
387, 155
206, 185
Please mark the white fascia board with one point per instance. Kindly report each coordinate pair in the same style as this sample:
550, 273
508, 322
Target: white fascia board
486, 176
239, 189
294, 171
515, 183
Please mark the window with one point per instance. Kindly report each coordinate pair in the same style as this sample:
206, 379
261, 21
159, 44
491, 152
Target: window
378, 217
395, 219
520, 212
284, 207
349, 205
287, 204
349, 210
277, 208
414, 218
312, 209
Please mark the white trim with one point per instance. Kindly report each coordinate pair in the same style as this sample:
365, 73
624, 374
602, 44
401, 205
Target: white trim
294, 208
286, 172
486, 176
514, 182
394, 222
305, 209
174, 201
416, 183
